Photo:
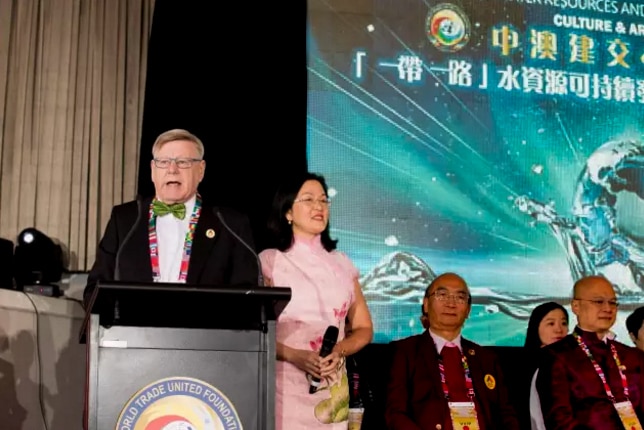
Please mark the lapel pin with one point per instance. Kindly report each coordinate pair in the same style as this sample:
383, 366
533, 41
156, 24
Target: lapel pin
472, 352
490, 382
210, 233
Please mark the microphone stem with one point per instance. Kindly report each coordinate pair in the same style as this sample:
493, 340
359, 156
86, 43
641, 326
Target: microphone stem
116, 316
260, 275
263, 321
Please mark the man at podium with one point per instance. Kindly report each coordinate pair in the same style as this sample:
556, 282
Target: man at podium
175, 237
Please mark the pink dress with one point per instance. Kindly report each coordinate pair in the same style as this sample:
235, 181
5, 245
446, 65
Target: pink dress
322, 286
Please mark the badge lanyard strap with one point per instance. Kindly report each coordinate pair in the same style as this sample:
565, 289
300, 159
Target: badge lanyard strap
466, 370
187, 243
599, 370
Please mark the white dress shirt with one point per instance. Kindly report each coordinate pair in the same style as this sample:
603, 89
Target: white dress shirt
536, 417
441, 342
171, 236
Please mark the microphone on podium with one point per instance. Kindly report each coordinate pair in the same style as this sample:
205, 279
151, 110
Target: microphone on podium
117, 258
328, 342
128, 236
260, 275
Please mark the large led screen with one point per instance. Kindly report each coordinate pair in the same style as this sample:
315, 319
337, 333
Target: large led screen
501, 140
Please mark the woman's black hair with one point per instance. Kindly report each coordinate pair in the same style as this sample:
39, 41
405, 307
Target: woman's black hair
532, 339
278, 226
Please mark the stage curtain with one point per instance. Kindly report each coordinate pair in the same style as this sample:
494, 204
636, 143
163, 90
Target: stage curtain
72, 84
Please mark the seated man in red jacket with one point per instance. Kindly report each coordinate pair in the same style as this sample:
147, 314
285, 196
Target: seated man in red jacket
439, 380
587, 380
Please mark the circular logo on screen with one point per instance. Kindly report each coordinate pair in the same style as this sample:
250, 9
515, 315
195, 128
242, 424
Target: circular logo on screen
179, 404
448, 28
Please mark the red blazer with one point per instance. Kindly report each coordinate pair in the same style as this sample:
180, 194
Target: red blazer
415, 398
572, 395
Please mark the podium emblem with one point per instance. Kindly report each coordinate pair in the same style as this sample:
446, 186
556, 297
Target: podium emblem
179, 403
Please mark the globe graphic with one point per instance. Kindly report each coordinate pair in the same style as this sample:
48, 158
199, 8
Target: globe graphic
607, 202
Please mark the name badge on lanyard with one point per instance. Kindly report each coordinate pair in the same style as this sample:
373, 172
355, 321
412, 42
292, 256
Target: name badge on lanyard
624, 409
627, 415
463, 415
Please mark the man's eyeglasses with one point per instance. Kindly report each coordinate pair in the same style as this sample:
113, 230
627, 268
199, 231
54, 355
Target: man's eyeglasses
182, 163
310, 201
443, 296
612, 303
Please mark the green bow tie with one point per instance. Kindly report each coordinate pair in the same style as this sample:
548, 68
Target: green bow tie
177, 209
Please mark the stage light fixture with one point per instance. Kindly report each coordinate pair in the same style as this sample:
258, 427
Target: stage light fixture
38, 259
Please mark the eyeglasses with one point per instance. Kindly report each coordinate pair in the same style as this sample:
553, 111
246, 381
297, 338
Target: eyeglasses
612, 303
182, 163
443, 296
310, 201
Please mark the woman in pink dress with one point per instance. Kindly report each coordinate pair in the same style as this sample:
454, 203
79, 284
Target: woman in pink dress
325, 292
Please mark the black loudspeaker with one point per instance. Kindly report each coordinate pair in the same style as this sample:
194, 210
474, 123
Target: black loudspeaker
6, 264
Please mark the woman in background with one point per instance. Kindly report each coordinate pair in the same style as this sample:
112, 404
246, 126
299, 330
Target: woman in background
325, 292
548, 324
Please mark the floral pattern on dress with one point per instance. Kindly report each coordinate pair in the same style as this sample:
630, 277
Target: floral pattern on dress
341, 314
316, 344
335, 408
322, 285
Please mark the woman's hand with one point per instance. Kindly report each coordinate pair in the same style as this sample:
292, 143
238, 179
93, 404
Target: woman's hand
330, 364
307, 361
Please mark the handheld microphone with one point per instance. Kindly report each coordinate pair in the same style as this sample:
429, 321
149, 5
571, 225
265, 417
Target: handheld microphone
117, 259
328, 342
260, 275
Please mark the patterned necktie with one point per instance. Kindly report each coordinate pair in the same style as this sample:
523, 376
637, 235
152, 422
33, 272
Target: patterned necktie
161, 209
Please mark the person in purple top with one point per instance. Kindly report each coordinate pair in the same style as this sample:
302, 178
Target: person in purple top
588, 380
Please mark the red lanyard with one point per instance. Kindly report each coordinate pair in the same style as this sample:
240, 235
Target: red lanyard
466, 370
599, 370
187, 243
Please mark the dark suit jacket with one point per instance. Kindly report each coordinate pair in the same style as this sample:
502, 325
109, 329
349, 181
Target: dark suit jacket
220, 261
572, 395
415, 398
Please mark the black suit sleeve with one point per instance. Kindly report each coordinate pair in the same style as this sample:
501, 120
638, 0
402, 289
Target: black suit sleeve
103, 268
